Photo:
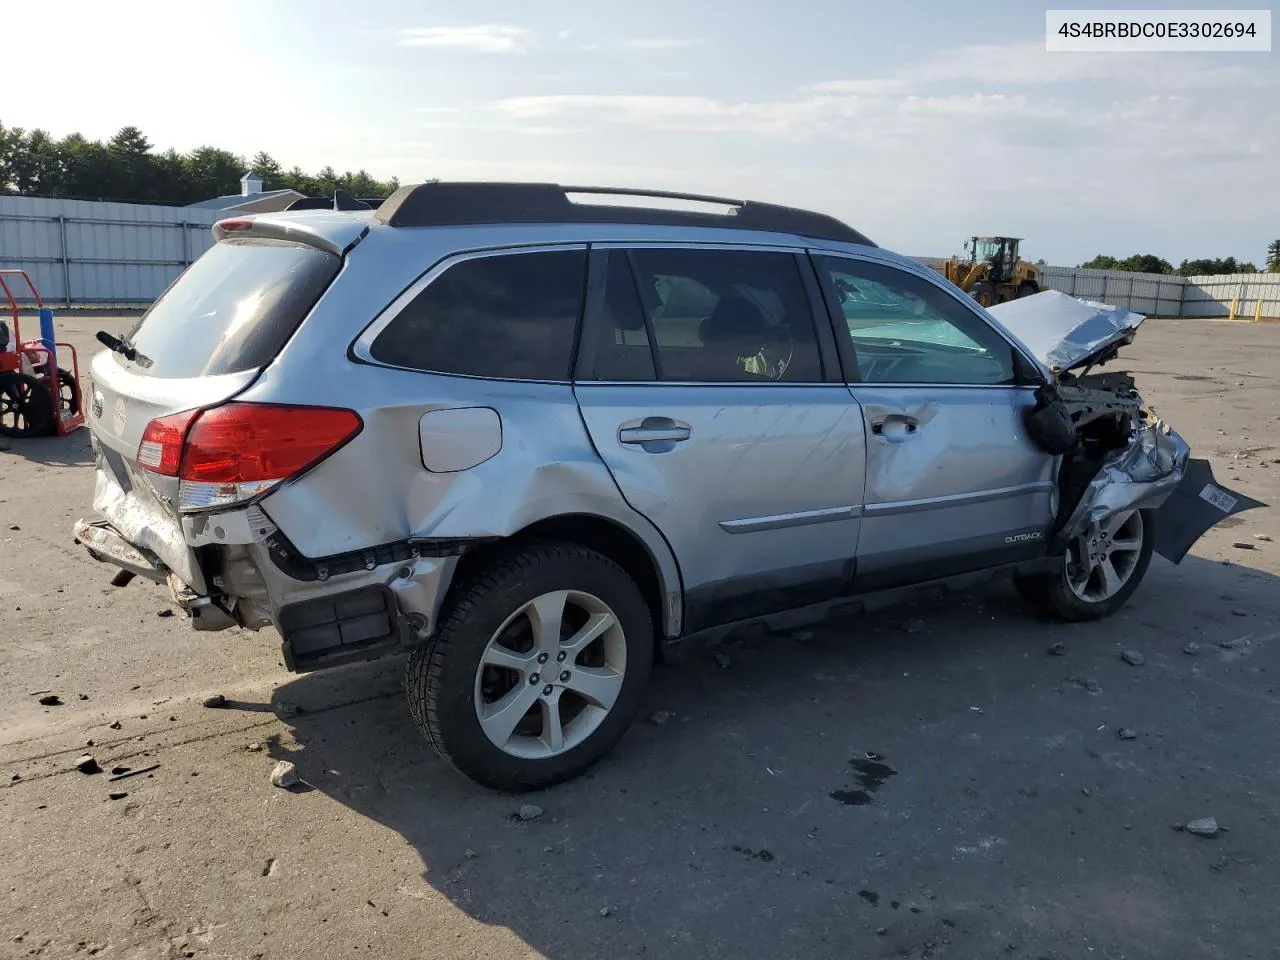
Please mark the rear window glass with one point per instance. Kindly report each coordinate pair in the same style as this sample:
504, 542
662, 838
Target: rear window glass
232, 310
508, 316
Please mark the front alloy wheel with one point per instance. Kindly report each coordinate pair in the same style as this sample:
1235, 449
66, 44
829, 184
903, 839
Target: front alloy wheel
1103, 558
1100, 570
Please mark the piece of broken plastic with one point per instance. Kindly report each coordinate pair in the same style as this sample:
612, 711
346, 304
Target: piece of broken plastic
1064, 332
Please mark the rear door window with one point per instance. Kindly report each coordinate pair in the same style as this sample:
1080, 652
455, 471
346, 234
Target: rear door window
232, 310
714, 316
512, 316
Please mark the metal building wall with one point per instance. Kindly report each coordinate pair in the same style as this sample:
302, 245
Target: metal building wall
95, 253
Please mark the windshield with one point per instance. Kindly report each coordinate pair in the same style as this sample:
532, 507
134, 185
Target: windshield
230, 311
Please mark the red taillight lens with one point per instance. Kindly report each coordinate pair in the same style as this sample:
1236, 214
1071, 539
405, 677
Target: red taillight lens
229, 454
249, 442
238, 223
161, 448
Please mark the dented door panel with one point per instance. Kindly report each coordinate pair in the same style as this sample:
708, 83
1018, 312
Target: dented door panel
959, 479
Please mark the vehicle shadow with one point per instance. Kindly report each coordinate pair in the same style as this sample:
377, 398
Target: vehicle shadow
71, 450
905, 783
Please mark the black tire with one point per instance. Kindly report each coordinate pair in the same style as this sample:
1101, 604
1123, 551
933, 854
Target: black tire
441, 674
1051, 594
68, 401
26, 408
984, 292
1027, 289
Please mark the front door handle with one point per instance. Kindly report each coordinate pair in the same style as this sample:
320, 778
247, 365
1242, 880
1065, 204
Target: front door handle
654, 430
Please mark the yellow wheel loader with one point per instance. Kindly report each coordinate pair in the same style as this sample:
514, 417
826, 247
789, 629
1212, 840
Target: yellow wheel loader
992, 272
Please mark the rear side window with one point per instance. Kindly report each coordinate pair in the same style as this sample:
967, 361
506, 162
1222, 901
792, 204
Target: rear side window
715, 316
509, 316
232, 310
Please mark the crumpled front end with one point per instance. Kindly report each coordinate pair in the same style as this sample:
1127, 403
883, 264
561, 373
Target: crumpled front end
1117, 457
1138, 476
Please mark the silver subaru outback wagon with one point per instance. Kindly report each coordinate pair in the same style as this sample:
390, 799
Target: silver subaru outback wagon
531, 438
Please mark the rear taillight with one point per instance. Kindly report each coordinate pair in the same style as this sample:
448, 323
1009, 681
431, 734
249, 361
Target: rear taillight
239, 451
161, 447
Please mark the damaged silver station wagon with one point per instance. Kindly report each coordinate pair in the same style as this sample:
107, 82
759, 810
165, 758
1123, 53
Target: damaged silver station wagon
533, 437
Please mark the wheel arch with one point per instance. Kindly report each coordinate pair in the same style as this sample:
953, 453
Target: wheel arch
650, 565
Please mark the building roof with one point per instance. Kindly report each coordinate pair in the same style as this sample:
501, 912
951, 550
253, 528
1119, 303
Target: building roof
231, 201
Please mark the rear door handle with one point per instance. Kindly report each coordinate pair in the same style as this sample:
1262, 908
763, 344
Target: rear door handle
895, 427
654, 429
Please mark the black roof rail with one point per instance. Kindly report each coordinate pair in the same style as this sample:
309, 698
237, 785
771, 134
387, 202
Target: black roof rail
438, 204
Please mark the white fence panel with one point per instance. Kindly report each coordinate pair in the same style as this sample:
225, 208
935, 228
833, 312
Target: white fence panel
95, 253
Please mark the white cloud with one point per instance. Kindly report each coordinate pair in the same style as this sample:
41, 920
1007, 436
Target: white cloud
482, 38
1027, 142
656, 43
564, 34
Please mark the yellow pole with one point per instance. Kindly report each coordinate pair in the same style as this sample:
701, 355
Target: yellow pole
1235, 303
1257, 311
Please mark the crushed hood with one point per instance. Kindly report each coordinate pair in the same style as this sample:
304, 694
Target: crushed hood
1066, 333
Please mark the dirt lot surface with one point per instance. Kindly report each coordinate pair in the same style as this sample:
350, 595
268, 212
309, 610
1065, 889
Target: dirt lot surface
925, 782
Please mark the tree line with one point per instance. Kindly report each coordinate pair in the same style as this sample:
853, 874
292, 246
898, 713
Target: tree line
128, 169
1150, 263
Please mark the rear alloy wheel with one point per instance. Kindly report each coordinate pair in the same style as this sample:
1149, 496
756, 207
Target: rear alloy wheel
26, 408
1100, 570
537, 670
68, 396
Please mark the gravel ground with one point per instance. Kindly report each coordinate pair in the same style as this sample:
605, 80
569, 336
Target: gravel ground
863, 790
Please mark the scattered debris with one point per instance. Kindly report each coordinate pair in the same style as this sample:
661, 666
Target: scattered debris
529, 811
284, 774
215, 702
605, 911
1124, 733
166, 612
1233, 644
1133, 658
269, 868
1191, 649
1092, 685
115, 725
86, 764
117, 796
82, 696
1058, 649
1243, 545
51, 700
15, 527
870, 896
723, 660
254, 748
1262, 536
913, 626
125, 772
977, 710
881, 931
1202, 827
1238, 612
659, 717
1086, 791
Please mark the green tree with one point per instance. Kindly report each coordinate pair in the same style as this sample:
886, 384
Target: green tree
265, 165
213, 172
1138, 263
1100, 262
1273, 251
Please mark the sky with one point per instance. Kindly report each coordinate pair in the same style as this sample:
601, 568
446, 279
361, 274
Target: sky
918, 123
